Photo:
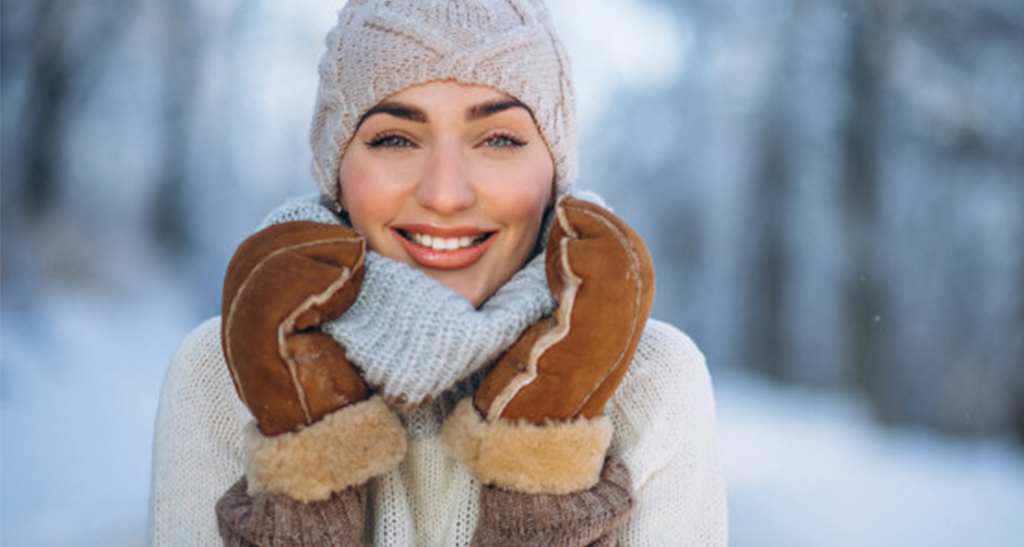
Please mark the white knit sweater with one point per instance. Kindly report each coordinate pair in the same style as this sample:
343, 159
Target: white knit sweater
663, 413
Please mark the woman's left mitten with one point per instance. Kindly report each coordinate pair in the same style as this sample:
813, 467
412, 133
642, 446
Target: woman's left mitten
535, 432
317, 436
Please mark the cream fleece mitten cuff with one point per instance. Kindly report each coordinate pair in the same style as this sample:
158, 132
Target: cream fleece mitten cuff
553, 458
346, 448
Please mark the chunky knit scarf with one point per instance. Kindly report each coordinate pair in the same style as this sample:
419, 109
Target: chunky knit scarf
414, 338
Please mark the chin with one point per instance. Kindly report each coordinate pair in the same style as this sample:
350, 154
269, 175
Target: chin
476, 293
475, 296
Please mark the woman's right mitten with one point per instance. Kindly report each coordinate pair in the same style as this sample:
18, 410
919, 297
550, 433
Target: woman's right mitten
535, 434
317, 436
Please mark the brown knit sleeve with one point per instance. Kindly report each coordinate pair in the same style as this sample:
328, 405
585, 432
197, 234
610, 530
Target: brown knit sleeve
588, 518
274, 520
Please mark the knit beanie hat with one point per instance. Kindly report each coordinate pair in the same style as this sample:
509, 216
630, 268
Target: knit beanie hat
380, 47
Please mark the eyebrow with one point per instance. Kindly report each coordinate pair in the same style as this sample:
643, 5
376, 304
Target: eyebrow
413, 114
397, 110
493, 107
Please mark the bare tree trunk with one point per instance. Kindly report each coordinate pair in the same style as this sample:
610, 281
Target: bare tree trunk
44, 118
767, 314
182, 47
860, 190
68, 46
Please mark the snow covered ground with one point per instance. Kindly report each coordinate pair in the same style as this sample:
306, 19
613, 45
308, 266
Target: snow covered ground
811, 469
81, 374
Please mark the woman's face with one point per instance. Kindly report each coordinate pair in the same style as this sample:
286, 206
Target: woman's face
450, 179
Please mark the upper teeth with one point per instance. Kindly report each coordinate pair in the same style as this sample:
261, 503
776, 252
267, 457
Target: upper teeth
442, 243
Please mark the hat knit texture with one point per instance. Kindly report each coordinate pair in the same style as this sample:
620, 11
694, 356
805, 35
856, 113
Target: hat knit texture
381, 47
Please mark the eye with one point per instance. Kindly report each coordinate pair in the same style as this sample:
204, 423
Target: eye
504, 141
389, 141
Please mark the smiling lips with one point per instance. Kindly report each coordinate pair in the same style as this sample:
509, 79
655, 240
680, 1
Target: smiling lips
443, 248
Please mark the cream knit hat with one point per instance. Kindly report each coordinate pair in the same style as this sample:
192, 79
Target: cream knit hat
380, 47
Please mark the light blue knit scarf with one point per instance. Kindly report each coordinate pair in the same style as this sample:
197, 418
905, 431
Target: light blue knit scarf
414, 338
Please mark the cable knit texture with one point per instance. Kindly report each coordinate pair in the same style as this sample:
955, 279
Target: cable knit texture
380, 48
402, 314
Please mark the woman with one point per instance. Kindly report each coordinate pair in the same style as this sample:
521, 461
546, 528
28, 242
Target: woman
445, 347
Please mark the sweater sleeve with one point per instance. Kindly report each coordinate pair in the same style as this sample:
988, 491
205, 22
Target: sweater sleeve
197, 447
665, 431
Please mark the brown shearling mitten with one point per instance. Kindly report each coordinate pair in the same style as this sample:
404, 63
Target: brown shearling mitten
318, 436
536, 426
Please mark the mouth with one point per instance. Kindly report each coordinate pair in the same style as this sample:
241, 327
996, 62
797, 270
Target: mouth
444, 249
439, 243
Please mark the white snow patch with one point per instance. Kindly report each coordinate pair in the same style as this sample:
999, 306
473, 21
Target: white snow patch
81, 379
812, 469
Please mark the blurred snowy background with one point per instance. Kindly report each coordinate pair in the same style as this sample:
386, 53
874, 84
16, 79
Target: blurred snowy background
833, 191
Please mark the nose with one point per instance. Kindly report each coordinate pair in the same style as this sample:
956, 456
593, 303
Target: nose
445, 186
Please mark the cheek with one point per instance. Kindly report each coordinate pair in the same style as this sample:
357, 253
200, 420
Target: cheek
367, 202
352, 181
526, 210
528, 192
